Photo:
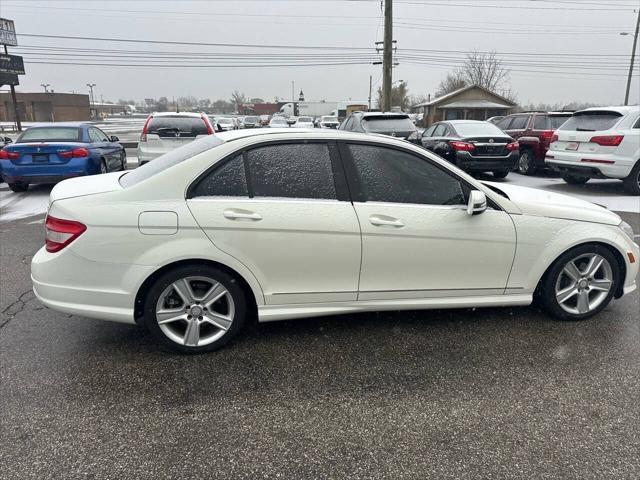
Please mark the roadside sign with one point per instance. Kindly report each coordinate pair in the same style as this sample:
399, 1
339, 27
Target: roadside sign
8, 33
9, 79
11, 64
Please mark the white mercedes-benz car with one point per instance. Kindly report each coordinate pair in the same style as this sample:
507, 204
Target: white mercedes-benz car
288, 223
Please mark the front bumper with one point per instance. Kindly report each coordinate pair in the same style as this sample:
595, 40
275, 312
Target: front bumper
467, 162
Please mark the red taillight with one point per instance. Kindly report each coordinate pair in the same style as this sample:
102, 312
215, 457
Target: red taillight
462, 146
546, 135
208, 125
513, 146
607, 140
75, 153
7, 155
143, 135
60, 233
554, 138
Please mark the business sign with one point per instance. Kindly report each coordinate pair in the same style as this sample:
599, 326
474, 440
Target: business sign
11, 64
9, 79
8, 33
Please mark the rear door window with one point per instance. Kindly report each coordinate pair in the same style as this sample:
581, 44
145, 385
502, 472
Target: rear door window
504, 123
177, 126
519, 122
541, 122
592, 121
228, 180
439, 131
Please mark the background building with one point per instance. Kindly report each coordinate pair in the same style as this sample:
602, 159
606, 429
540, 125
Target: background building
45, 107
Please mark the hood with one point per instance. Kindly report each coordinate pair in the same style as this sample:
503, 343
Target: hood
81, 186
532, 201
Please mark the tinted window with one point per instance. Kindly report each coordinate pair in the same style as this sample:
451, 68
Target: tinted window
388, 175
519, 122
227, 181
387, 124
541, 122
504, 123
50, 134
295, 170
592, 121
177, 126
480, 128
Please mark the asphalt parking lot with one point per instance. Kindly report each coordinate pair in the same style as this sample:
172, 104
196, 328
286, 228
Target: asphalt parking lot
495, 393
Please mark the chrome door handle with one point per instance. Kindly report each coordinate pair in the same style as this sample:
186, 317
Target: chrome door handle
238, 214
384, 221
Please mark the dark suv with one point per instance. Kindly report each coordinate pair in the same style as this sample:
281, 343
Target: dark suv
534, 131
397, 125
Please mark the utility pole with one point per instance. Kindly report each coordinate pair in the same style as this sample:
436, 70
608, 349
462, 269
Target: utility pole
633, 54
16, 112
387, 56
370, 80
91, 85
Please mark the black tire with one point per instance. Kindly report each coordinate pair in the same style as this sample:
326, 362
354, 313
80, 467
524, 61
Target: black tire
500, 173
632, 182
103, 167
19, 187
547, 293
526, 163
165, 281
123, 161
575, 179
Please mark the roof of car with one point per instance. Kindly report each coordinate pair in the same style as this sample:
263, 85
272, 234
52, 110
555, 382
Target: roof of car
459, 122
176, 114
292, 133
382, 114
61, 124
620, 109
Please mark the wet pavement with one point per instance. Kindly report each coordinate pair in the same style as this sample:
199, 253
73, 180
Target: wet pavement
491, 393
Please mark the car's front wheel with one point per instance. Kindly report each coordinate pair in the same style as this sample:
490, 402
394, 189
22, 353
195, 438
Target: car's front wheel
195, 309
580, 283
575, 179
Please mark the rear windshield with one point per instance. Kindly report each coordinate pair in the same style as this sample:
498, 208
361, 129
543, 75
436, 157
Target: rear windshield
473, 129
250, 119
329, 119
169, 159
388, 124
592, 121
558, 120
305, 119
51, 134
172, 127
278, 120
225, 121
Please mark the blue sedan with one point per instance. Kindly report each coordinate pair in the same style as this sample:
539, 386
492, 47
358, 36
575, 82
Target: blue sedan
50, 152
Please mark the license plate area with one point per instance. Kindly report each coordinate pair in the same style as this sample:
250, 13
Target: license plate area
40, 158
572, 146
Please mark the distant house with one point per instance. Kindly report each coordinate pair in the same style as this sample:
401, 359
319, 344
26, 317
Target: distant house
472, 102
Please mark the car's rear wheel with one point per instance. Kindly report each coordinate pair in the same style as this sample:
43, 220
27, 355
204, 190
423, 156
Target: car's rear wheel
103, 166
195, 309
575, 179
526, 164
580, 283
632, 182
123, 161
18, 187
500, 173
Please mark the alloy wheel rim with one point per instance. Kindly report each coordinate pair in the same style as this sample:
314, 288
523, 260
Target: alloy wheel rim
584, 283
103, 168
195, 311
524, 163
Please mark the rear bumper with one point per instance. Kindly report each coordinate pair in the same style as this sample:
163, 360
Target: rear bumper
47, 173
589, 164
470, 163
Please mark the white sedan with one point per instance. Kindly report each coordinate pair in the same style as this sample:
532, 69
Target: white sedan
304, 122
285, 224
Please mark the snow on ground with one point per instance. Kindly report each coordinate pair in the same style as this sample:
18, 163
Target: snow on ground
607, 193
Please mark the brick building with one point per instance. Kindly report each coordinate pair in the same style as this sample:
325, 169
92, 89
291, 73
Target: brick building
45, 107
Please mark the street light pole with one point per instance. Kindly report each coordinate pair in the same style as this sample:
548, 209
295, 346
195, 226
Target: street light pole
91, 85
633, 54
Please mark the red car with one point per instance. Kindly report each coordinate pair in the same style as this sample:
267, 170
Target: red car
533, 131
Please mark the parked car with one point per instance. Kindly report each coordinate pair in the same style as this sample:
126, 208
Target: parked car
226, 123
278, 122
533, 130
251, 122
473, 145
327, 121
599, 143
166, 131
303, 122
285, 225
50, 152
393, 124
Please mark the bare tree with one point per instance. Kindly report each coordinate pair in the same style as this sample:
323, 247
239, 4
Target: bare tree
238, 99
399, 96
453, 81
480, 68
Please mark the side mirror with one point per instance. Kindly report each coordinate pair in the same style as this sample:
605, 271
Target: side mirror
114, 139
477, 202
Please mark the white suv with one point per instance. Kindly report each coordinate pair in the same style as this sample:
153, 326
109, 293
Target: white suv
599, 142
165, 131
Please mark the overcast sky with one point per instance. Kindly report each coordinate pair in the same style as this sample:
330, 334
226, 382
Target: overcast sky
588, 65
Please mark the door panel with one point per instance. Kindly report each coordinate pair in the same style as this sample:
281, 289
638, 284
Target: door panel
300, 251
433, 251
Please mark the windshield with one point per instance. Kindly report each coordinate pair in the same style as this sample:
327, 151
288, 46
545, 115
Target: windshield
250, 119
388, 124
169, 159
51, 134
592, 121
329, 119
170, 126
474, 129
305, 120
